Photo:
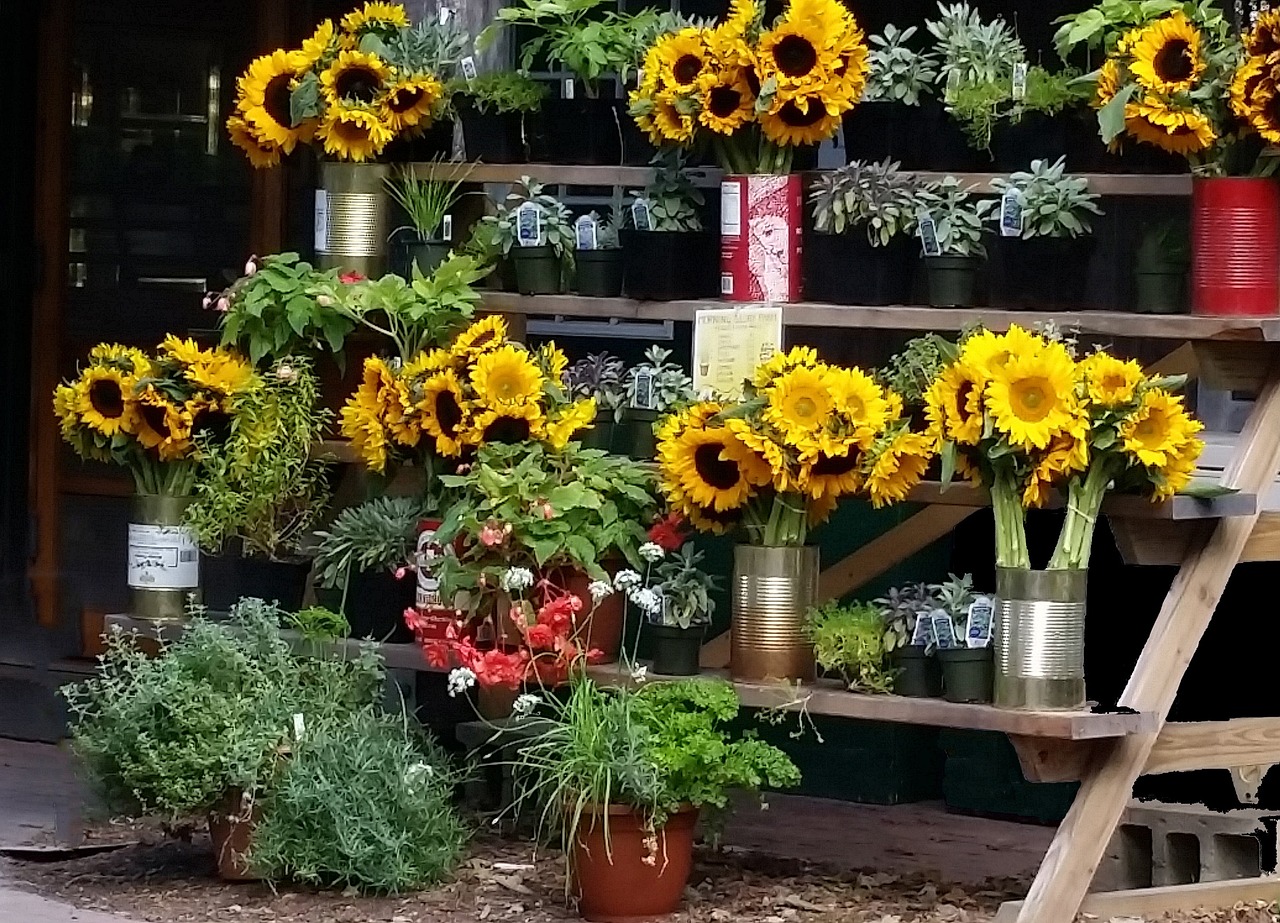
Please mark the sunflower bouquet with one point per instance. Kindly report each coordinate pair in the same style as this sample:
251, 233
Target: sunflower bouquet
754, 93
1018, 413
806, 435
351, 88
148, 413
447, 402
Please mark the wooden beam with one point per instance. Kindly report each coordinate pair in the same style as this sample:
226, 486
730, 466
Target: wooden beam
1182, 361
269, 191
1190, 745
1045, 760
1170, 544
1078, 847
1147, 903
1232, 366
889, 549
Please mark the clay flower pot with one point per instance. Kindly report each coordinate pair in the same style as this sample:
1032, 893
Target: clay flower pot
231, 826
625, 878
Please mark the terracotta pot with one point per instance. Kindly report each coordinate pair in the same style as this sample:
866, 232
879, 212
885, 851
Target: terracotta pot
614, 883
495, 703
231, 832
603, 630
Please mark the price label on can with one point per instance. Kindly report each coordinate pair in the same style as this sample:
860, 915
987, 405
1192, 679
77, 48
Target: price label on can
163, 558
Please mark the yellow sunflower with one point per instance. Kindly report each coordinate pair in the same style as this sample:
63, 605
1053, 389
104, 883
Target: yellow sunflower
263, 101
321, 43
569, 421
410, 102
833, 475
954, 405
797, 52
105, 402
727, 101
221, 372
1168, 56
1252, 78
780, 363
486, 334
820, 510
1178, 470
898, 465
714, 469
986, 353
859, 400
553, 362
1263, 39
1158, 430
1262, 99
1178, 131
670, 123
353, 134
680, 58
375, 16
443, 412
802, 120
511, 425
1108, 83
506, 376
743, 16
1111, 382
185, 352
66, 402
163, 426
1033, 398
262, 155
128, 359
799, 402
361, 423
356, 77
772, 453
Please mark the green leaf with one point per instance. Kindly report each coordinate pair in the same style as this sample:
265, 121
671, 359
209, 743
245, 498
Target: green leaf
1111, 116
948, 462
573, 496
1206, 490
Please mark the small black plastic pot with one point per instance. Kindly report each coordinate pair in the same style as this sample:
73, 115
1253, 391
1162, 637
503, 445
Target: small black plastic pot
537, 270
584, 130
952, 280
641, 443
599, 273
967, 674
603, 433
670, 265
1042, 273
676, 651
942, 143
502, 278
919, 675
846, 269
1160, 290
1036, 136
427, 255
491, 137
228, 578
375, 606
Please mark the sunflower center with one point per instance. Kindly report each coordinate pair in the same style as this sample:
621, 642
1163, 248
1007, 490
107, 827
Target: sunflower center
359, 83
724, 101
1174, 62
753, 81
507, 430
795, 56
835, 465
107, 398
1032, 399
855, 407
1113, 382
686, 68
791, 115
350, 131
276, 100
963, 393
448, 413
1150, 432
157, 419
505, 388
404, 100
720, 473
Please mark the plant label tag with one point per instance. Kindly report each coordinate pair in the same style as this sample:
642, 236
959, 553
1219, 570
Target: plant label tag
586, 233
445, 13
640, 215
322, 221
163, 558
1020, 81
529, 225
978, 628
299, 726
446, 227
1011, 214
469, 68
943, 629
570, 87
922, 635
643, 399
928, 231
639, 76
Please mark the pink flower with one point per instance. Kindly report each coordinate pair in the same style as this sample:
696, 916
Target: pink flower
400, 572
223, 305
252, 266
349, 277
493, 534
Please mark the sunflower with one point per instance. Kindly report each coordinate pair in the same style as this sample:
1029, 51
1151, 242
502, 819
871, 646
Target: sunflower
802, 120
568, 421
506, 376
104, 401
1111, 382
681, 58
485, 335
361, 424
799, 402
127, 359
1178, 131
772, 453
954, 405
262, 155
410, 102
1261, 101
1178, 470
742, 18
898, 465
375, 16
820, 510
1251, 80
513, 424
670, 124
221, 372
795, 53
263, 101
727, 102
1263, 39
1033, 398
1167, 55
714, 469
553, 363
1158, 429
443, 413
986, 353
1108, 83
780, 363
353, 134
321, 43
355, 77
706, 519
163, 425
834, 475
860, 401
210, 420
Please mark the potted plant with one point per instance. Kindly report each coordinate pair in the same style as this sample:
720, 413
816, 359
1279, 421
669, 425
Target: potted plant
623, 774
888, 124
965, 656
1045, 238
600, 377
1160, 269
367, 555
751, 468
954, 252
542, 250
655, 388
599, 254
494, 110
676, 605
674, 257
848, 641
864, 248
262, 491
426, 204
911, 651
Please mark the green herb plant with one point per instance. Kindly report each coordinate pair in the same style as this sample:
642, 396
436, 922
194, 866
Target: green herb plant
378, 535
428, 46
686, 590
674, 202
600, 376
1054, 203
671, 385
499, 230
427, 202
954, 597
898, 72
503, 91
877, 198
970, 50
850, 642
959, 217
912, 371
900, 608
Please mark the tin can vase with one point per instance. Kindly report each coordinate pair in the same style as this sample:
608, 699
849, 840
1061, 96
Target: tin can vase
773, 590
1235, 246
352, 218
1039, 638
164, 560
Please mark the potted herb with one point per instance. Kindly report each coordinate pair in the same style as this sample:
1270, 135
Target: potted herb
848, 641
1160, 269
600, 377
262, 491
863, 249
366, 558
623, 774
911, 651
888, 123
967, 662
426, 204
655, 388
1045, 238
679, 609
493, 109
599, 254
535, 230
666, 252
955, 252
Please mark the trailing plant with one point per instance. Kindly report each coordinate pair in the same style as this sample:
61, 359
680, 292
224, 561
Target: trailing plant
959, 217
503, 91
850, 641
900, 608
980, 107
1054, 203
263, 487
378, 535
669, 386
899, 73
427, 202
875, 197
600, 377
674, 202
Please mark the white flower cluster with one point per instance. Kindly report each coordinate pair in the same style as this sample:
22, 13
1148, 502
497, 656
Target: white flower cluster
517, 579
652, 552
649, 601
599, 589
460, 680
626, 579
525, 704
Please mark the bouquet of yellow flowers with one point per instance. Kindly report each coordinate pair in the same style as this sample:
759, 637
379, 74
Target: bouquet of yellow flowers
1018, 413
754, 93
352, 88
448, 402
149, 413
807, 434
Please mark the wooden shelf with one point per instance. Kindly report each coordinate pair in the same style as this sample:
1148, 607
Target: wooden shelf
1180, 508
904, 317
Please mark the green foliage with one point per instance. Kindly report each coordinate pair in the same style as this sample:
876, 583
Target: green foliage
900, 609
599, 376
954, 597
262, 485
686, 590
980, 107
973, 51
426, 202
428, 47
366, 802
671, 385
318, 624
497, 233
503, 91
1054, 203
875, 197
380, 534
1100, 27
285, 307
849, 641
674, 201
1164, 247
912, 371
898, 72
958, 217
977, 107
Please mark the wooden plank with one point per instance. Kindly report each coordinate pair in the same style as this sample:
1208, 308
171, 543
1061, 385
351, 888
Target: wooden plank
1179, 508
1140, 544
1182, 361
1044, 760
1190, 745
1149, 902
889, 549
1237, 367
269, 189
716, 652
1077, 848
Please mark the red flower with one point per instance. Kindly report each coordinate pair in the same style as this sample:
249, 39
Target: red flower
352, 276
668, 533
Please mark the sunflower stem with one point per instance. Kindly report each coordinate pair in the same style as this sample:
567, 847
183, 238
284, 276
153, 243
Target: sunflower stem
1084, 506
1011, 525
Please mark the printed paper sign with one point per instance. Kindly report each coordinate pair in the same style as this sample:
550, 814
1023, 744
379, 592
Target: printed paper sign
163, 558
729, 344
322, 221
569, 88
922, 635
446, 229
1020, 81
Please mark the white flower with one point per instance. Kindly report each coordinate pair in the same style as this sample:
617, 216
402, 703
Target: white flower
516, 579
525, 704
647, 599
599, 589
416, 772
626, 579
639, 673
460, 680
652, 552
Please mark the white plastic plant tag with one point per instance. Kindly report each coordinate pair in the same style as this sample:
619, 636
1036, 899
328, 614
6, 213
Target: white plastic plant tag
570, 87
468, 68
922, 635
529, 225
586, 233
299, 726
639, 76
978, 627
640, 215
928, 231
445, 12
446, 228
322, 221
643, 399
1011, 214
943, 630
1020, 81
